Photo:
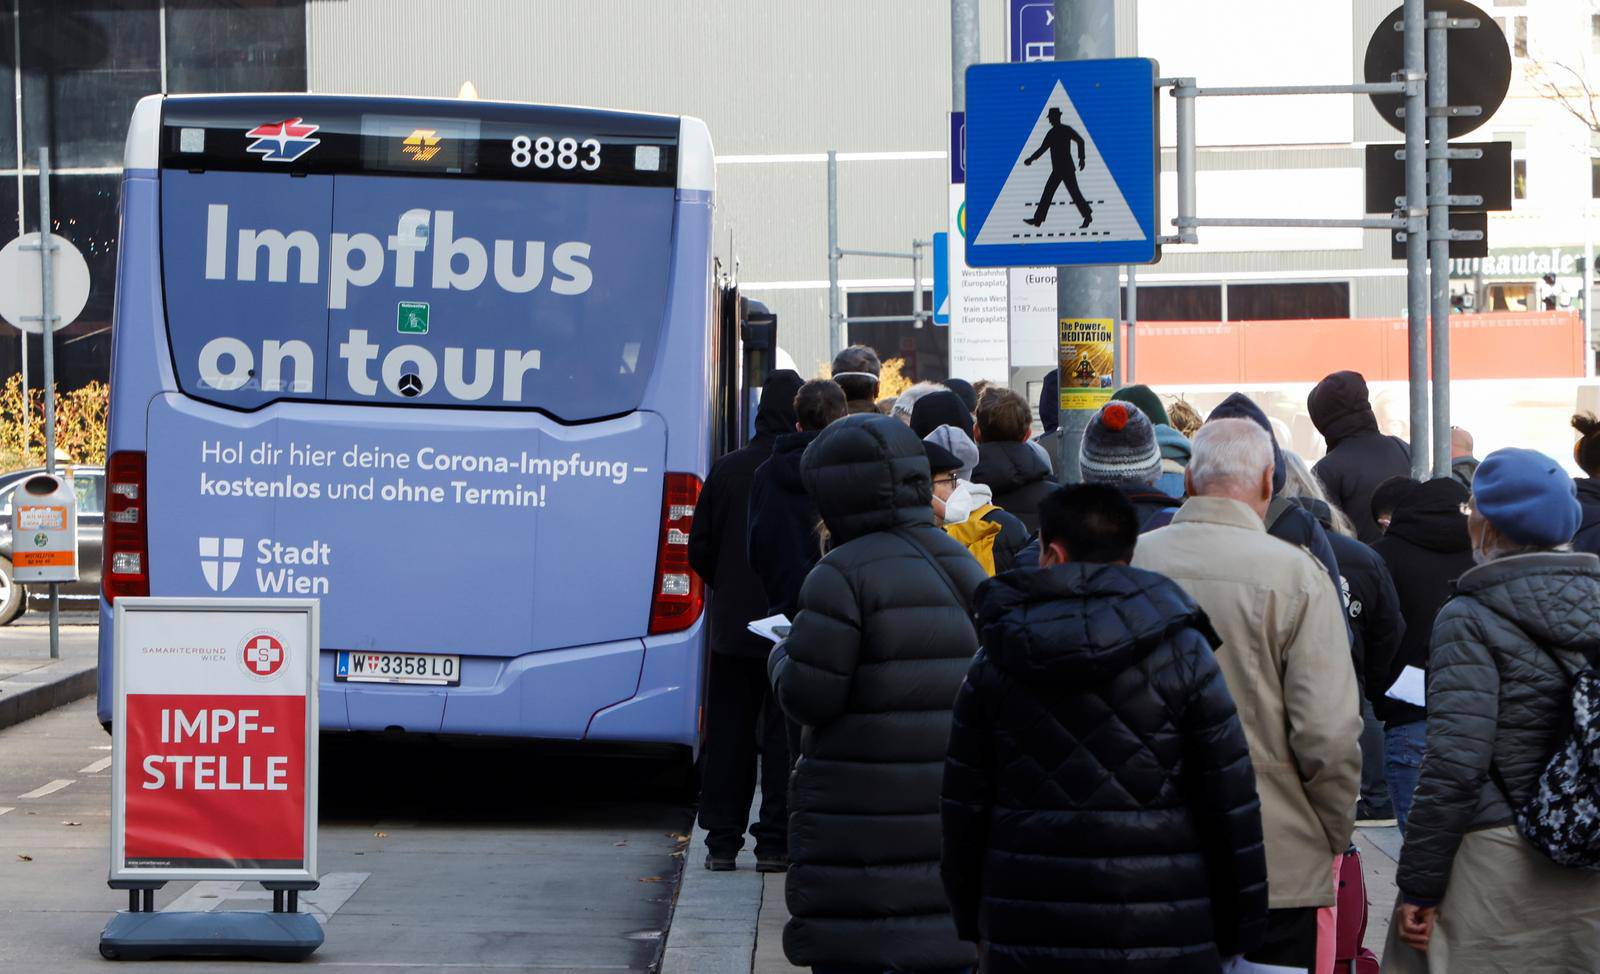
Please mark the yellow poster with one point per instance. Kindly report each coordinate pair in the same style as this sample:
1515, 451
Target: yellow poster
1084, 350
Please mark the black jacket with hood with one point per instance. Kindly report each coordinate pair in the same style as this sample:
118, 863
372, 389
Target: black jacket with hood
1505, 650
1588, 537
1426, 549
1019, 479
785, 528
1100, 808
1359, 457
718, 535
871, 669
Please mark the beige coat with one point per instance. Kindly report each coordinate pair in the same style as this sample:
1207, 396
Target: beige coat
1286, 657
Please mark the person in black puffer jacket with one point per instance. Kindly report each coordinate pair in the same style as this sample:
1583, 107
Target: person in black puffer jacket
741, 717
1586, 452
1100, 807
1011, 467
871, 669
1359, 457
1476, 897
1426, 549
785, 529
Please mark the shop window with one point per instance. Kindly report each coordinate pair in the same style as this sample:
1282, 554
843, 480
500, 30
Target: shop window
1279, 302
1177, 302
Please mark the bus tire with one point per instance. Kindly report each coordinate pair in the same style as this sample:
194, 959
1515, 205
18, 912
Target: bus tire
13, 598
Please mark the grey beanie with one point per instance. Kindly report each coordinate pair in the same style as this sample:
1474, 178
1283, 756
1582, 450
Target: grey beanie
956, 440
1119, 447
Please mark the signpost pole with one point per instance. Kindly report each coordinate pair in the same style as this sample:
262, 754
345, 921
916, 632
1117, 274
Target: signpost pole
47, 313
1438, 98
1084, 29
835, 325
1416, 236
1133, 321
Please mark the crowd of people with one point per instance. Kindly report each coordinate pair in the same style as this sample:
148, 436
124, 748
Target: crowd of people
1129, 724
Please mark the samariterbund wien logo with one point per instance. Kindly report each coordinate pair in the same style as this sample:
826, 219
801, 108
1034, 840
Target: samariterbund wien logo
261, 654
283, 141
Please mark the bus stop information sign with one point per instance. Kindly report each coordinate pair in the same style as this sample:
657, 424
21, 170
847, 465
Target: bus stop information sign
215, 745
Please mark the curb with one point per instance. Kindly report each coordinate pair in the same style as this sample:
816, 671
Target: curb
713, 925
30, 694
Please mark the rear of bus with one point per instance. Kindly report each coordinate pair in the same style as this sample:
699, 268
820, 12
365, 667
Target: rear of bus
444, 366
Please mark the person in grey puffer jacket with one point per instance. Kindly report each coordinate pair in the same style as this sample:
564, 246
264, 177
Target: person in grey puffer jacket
881, 643
1475, 896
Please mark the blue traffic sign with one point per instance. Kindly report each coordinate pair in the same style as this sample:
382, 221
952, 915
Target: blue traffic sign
941, 278
1062, 163
1033, 30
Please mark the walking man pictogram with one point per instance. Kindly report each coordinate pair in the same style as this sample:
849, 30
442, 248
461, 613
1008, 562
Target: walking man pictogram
1060, 140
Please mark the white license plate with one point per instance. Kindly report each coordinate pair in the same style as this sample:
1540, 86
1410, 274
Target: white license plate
398, 668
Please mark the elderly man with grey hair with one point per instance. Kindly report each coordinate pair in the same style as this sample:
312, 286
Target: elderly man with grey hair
1286, 660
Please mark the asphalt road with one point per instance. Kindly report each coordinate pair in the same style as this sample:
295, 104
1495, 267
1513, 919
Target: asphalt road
433, 857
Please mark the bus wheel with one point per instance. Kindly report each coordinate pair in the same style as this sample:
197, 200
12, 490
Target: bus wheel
12, 596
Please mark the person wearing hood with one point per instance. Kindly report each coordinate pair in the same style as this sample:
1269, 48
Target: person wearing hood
1089, 657
1426, 548
785, 536
1586, 454
871, 668
1287, 663
1475, 895
856, 369
1007, 463
1174, 445
966, 510
1372, 607
1387, 496
1359, 457
1285, 519
1050, 418
740, 715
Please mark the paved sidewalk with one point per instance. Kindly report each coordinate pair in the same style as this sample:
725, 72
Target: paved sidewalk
732, 923
30, 681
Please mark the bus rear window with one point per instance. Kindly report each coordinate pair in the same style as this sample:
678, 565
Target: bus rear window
385, 289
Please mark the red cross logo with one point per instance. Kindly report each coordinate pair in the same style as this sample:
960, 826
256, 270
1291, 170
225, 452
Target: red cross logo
263, 655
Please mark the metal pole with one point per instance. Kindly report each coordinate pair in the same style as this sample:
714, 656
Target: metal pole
1439, 234
1133, 318
916, 282
1084, 29
1184, 91
835, 319
1416, 237
47, 312
963, 49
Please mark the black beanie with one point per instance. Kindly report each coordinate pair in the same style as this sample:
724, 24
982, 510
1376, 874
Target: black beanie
942, 408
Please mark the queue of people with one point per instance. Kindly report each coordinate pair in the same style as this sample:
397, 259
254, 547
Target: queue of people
1130, 724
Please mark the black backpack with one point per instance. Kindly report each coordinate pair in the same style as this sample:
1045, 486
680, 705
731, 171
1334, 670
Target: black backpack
1562, 817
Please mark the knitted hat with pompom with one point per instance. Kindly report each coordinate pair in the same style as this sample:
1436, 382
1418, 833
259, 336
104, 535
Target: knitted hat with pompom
1119, 447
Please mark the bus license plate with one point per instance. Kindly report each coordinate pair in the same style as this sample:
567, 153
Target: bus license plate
442, 671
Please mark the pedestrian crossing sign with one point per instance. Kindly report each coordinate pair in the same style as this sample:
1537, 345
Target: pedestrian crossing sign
1062, 163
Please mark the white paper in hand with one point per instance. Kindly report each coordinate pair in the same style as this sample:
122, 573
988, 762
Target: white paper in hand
1411, 687
774, 628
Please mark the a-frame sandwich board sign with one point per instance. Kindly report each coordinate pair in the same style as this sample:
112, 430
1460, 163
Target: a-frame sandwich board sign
1063, 161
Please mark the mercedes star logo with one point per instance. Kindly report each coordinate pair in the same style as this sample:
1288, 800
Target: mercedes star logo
410, 385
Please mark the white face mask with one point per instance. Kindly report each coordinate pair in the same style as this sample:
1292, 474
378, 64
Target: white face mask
960, 504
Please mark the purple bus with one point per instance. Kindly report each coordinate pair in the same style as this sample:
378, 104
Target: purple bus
455, 368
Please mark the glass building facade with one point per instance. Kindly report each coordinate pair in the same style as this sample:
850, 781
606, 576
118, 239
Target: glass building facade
72, 71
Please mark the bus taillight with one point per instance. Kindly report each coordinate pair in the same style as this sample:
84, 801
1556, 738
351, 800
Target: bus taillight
679, 592
126, 569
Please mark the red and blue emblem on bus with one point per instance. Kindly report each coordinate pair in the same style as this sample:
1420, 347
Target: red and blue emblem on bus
283, 141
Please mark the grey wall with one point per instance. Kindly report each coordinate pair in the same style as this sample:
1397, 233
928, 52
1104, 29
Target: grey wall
767, 77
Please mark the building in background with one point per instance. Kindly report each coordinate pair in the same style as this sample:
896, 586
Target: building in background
72, 71
779, 85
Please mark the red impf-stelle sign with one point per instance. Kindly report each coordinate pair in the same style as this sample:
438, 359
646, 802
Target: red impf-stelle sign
215, 739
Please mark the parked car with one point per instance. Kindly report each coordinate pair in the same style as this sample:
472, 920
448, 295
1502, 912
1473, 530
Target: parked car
83, 595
